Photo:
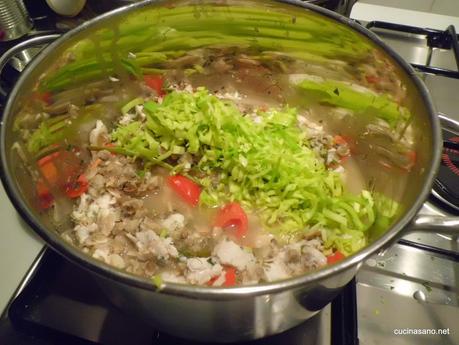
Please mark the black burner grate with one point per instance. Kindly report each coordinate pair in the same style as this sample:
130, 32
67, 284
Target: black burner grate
446, 39
446, 185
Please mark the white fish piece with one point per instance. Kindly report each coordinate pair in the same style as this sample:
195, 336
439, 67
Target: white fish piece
277, 269
229, 253
82, 232
313, 258
102, 254
200, 270
127, 118
106, 220
91, 212
174, 222
105, 201
99, 135
80, 213
172, 277
117, 261
220, 280
149, 241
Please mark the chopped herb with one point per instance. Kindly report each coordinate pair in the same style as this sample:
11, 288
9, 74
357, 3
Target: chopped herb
336, 91
163, 233
427, 286
157, 281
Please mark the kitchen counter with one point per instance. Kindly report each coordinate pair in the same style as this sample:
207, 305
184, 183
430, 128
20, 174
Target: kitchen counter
433, 14
19, 247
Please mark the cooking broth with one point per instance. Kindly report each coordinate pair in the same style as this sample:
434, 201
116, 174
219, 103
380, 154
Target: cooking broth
316, 150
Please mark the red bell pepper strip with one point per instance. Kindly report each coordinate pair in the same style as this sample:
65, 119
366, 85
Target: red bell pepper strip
59, 170
339, 140
45, 198
111, 145
75, 189
232, 215
412, 157
230, 277
155, 82
342, 140
185, 188
48, 169
372, 79
45, 97
335, 257
50, 175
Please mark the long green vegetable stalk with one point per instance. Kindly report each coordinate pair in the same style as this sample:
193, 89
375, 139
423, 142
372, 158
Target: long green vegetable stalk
161, 33
360, 101
266, 165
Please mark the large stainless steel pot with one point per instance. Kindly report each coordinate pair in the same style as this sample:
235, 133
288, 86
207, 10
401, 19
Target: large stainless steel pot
247, 312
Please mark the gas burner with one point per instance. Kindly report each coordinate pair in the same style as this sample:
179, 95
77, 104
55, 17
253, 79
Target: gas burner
446, 185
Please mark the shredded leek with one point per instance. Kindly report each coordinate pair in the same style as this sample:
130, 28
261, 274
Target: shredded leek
266, 165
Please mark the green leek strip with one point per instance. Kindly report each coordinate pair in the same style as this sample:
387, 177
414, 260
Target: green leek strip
48, 133
86, 70
234, 16
343, 95
58, 128
131, 104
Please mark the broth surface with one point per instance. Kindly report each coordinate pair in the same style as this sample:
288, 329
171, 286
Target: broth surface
142, 180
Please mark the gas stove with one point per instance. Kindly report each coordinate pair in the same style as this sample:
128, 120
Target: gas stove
403, 295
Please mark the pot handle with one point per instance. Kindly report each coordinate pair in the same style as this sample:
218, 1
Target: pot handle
31, 42
435, 224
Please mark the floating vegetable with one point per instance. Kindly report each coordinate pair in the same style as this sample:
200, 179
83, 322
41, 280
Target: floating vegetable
359, 100
185, 188
335, 257
232, 217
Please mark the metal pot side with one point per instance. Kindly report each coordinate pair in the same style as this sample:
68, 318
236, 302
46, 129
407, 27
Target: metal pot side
235, 319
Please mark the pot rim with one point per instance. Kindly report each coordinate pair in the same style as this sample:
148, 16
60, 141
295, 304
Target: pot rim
218, 293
